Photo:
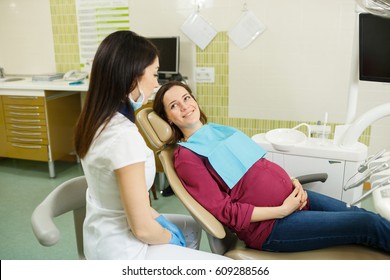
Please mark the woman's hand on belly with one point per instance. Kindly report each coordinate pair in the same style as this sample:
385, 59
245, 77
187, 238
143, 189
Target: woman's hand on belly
303, 193
297, 200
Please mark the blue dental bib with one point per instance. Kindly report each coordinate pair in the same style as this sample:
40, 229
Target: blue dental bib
230, 152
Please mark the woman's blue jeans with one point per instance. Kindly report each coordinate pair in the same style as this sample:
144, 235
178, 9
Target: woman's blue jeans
329, 222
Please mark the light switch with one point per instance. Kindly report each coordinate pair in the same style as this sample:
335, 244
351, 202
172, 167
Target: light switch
204, 74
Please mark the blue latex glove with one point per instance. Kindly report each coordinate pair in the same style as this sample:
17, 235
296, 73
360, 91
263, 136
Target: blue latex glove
177, 236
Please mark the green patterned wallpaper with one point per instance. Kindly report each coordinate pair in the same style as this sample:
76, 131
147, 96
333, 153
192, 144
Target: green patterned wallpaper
65, 34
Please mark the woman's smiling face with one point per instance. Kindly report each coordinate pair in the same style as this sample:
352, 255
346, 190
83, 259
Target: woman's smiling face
182, 109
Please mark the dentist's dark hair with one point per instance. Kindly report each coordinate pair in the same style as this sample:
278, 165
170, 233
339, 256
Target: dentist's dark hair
158, 107
119, 61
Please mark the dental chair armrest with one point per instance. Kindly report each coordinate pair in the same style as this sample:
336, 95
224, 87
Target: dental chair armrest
69, 196
310, 178
44, 227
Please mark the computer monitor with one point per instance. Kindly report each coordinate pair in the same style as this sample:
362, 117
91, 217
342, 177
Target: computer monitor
374, 48
169, 48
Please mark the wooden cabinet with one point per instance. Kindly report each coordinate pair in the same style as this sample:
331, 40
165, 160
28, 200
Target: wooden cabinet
39, 127
2, 130
26, 130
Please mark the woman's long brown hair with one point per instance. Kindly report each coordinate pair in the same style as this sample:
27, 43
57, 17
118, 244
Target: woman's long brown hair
119, 61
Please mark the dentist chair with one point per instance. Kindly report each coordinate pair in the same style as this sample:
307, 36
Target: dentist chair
68, 196
221, 240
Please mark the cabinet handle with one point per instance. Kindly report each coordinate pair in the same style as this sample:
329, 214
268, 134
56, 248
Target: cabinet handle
27, 146
26, 133
29, 121
23, 97
27, 139
23, 107
24, 114
26, 126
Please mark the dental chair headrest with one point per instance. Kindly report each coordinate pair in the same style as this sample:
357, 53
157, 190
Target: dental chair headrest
155, 128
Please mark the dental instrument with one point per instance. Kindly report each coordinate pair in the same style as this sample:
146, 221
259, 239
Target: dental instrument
368, 174
364, 165
374, 163
382, 184
376, 170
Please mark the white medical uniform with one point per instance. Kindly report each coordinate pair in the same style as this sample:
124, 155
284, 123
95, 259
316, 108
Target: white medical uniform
107, 234
106, 231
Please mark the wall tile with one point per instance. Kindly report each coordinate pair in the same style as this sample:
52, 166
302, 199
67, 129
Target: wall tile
63, 14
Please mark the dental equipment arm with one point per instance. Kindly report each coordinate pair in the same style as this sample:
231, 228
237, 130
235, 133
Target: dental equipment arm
382, 184
363, 167
376, 169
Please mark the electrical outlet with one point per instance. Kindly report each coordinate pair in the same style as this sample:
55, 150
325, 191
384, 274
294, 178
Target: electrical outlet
204, 74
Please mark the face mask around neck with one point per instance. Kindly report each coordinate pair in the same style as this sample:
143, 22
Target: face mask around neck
140, 101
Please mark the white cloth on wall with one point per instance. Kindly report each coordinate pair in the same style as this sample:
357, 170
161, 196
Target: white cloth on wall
198, 30
248, 28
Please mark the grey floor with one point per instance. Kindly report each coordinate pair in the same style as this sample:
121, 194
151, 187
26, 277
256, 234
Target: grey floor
24, 184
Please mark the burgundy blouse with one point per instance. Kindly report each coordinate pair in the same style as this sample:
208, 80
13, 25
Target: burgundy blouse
264, 184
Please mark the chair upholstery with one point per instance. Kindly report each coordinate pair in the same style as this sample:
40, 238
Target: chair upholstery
221, 240
159, 168
68, 196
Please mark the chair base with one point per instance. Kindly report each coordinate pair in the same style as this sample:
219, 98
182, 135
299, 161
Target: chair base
345, 252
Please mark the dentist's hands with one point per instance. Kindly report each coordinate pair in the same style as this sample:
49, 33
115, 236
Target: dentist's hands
177, 236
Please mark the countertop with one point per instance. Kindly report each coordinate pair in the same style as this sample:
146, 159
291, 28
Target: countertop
28, 85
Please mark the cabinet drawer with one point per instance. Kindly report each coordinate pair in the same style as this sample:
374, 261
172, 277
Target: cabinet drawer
26, 133
27, 151
25, 121
23, 100
24, 110
25, 127
29, 140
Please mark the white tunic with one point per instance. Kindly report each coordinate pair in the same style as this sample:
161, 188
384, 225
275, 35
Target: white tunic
106, 231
